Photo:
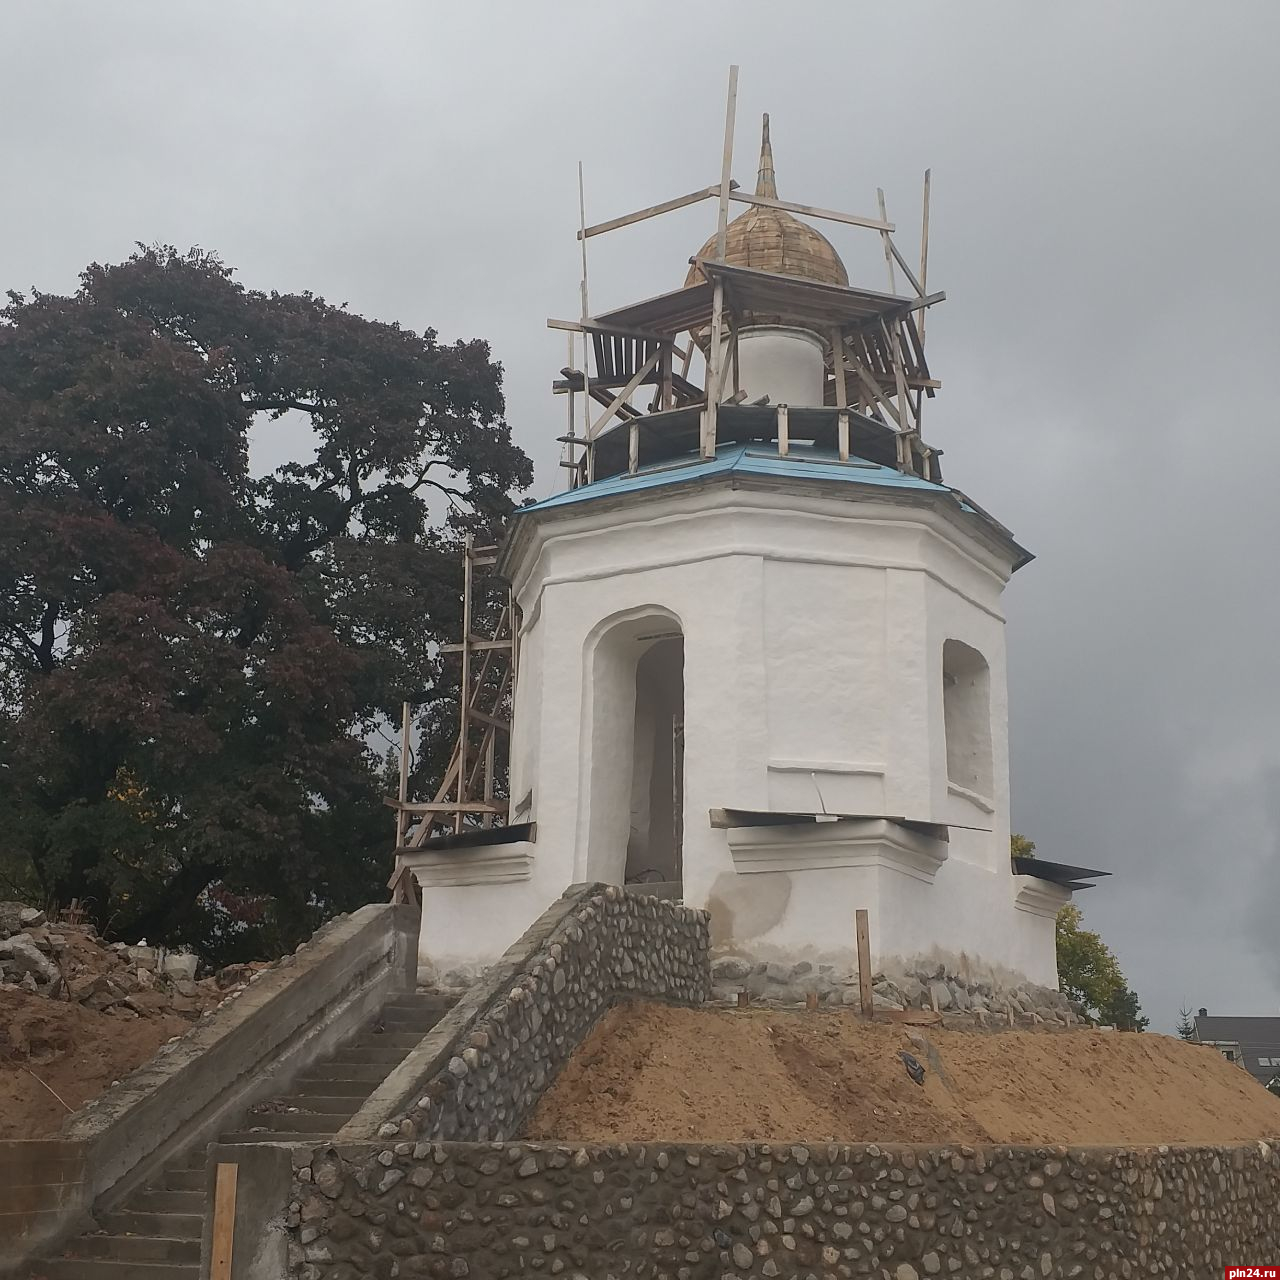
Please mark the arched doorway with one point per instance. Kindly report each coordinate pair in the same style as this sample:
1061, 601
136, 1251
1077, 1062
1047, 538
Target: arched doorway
657, 769
634, 754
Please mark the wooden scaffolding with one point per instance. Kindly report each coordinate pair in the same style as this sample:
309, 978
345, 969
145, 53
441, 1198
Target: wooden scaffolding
877, 376
471, 795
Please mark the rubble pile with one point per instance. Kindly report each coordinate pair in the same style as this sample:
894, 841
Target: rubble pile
68, 962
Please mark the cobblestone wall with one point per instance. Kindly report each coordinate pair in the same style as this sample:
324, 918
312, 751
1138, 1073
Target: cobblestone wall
480, 1073
687, 1212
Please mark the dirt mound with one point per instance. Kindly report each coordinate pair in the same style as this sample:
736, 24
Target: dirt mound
651, 1072
77, 1013
52, 1047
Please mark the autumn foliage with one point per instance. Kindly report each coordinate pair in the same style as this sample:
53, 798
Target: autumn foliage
195, 661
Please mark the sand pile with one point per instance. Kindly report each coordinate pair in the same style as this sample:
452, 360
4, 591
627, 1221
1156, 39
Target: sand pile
651, 1072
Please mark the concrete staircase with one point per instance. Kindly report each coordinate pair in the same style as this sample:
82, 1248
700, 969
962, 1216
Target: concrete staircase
155, 1234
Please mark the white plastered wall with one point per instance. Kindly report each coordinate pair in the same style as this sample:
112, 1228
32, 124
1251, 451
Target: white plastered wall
813, 626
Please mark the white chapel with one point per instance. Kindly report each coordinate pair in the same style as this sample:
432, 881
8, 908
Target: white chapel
754, 653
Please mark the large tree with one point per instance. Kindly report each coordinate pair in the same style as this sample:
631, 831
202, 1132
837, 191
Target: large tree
194, 660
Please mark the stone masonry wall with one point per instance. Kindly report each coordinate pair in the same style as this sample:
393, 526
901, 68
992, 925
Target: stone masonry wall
980, 1000
692, 1212
480, 1075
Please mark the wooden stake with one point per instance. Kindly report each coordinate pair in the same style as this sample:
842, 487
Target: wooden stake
404, 771
744, 999
224, 1221
784, 431
464, 717
811, 1000
864, 963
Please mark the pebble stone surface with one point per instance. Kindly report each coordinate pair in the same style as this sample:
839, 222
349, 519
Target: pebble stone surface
687, 1211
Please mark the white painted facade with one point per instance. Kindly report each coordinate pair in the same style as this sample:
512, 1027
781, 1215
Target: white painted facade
785, 363
843, 653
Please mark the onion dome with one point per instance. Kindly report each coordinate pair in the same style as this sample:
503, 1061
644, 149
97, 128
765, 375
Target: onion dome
772, 240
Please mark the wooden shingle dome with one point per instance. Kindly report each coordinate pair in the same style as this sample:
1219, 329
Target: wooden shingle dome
772, 240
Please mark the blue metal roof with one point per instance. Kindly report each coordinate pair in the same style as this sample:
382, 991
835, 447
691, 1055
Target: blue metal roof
803, 461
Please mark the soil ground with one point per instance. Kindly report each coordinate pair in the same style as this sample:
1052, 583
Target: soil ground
651, 1072
76, 1052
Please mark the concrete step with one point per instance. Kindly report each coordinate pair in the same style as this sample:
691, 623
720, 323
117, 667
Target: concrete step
165, 1201
241, 1137
176, 1226
325, 1104
112, 1269
343, 1077
136, 1248
193, 1179
403, 1040
422, 1000
362, 1057
298, 1121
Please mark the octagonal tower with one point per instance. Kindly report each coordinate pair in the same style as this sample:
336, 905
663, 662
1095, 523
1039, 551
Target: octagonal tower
759, 647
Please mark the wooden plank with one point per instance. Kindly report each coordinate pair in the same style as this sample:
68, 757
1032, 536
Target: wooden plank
680, 202
633, 448
810, 211
446, 806
873, 389
726, 164
784, 431
224, 1221
571, 437
842, 395
888, 244
864, 963
464, 699
906, 270
624, 394
924, 247
582, 216
715, 376
476, 645
404, 771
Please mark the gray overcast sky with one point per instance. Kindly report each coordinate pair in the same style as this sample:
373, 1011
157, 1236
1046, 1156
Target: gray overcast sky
1104, 223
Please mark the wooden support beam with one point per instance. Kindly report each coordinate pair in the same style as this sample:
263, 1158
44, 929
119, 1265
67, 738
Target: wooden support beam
653, 211
447, 806
924, 247
887, 243
842, 396
404, 770
873, 389
715, 372
624, 394
784, 431
726, 164
906, 270
590, 326
476, 644
464, 700
810, 211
